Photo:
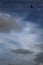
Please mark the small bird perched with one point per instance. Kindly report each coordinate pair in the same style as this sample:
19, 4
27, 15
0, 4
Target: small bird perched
31, 6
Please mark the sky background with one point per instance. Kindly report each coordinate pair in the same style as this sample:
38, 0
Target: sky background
21, 32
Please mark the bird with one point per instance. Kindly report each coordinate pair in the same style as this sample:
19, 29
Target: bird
31, 6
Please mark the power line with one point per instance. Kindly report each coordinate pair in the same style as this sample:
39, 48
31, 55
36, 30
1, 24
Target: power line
21, 2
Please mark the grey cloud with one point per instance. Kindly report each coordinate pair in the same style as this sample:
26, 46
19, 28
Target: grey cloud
22, 51
14, 64
40, 46
39, 58
8, 23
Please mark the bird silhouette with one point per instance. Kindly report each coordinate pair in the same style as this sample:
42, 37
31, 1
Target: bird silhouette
31, 6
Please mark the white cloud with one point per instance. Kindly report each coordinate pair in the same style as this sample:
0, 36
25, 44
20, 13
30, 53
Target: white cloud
27, 38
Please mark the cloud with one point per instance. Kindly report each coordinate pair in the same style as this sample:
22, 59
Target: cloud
25, 39
7, 23
15, 64
39, 58
22, 51
40, 46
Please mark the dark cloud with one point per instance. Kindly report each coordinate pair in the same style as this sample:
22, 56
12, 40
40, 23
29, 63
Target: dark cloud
22, 51
39, 58
7, 23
